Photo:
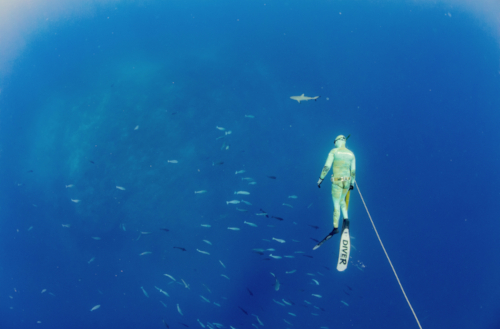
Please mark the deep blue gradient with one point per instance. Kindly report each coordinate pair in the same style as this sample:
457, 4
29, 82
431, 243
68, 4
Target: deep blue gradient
417, 89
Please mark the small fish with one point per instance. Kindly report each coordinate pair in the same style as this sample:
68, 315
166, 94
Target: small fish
287, 322
313, 226
220, 128
292, 314
242, 210
315, 295
145, 233
163, 292
279, 303
91, 260
279, 240
205, 299
233, 228
344, 303
144, 291
258, 320
95, 308
145, 253
169, 276
165, 323
120, 188
275, 257
272, 177
252, 183
242, 192
179, 309
92, 162
30, 228
206, 225
292, 197
289, 256
136, 127
172, 161
233, 202
180, 248
243, 310
222, 264
261, 214
305, 301
165, 229
311, 274
290, 272
309, 206
218, 163
287, 303
316, 281
240, 172
66, 225
207, 288
123, 227
309, 256
96, 238
201, 324
250, 224
185, 284
270, 249
247, 178
202, 252
75, 200
288, 205
223, 136
200, 192
250, 292
69, 186
278, 218
44, 290
258, 251
225, 276
246, 202
216, 304
249, 116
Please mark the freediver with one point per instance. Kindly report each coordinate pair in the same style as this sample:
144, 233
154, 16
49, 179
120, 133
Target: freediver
344, 175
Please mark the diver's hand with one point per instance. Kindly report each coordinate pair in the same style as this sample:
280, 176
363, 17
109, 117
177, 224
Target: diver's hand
319, 182
351, 187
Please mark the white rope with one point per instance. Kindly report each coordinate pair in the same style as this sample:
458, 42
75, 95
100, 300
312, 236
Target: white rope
378, 236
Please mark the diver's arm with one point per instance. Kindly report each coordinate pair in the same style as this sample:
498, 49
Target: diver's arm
326, 168
353, 171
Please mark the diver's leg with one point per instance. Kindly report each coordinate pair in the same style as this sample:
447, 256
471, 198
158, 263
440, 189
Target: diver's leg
336, 197
336, 194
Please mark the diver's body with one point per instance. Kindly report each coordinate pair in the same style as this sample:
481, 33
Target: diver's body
344, 175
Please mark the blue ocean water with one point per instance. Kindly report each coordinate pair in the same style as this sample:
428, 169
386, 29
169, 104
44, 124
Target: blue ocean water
107, 94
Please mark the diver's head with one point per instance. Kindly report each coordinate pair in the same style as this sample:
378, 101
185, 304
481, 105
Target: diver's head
340, 141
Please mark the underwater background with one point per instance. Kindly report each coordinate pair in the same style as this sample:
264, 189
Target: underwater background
108, 126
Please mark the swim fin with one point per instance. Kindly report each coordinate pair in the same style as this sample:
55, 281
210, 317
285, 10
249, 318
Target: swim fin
328, 237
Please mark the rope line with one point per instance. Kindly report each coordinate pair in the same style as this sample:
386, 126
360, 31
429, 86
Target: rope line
387, 255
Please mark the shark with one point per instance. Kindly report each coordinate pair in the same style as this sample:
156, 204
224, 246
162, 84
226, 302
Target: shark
303, 98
